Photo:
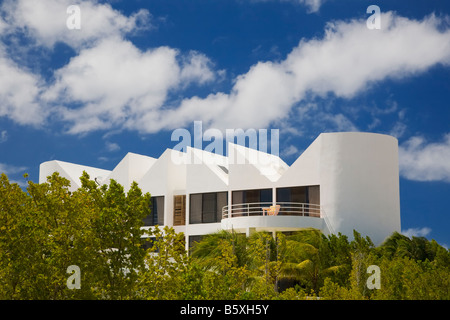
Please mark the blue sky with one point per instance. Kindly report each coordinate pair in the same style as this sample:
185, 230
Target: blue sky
137, 70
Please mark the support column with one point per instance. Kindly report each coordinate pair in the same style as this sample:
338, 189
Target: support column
274, 196
249, 231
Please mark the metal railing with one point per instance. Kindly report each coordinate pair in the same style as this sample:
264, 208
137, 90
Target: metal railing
267, 208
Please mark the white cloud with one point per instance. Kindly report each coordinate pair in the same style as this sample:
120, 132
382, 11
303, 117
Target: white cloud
3, 25
19, 93
311, 5
350, 57
346, 61
11, 169
45, 21
112, 146
398, 130
111, 83
117, 84
196, 67
421, 160
291, 150
416, 232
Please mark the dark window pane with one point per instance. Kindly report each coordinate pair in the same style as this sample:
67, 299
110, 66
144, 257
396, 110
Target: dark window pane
265, 195
156, 215
283, 195
195, 208
314, 194
237, 197
252, 196
222, 200
298, 194
159, 211
209, 207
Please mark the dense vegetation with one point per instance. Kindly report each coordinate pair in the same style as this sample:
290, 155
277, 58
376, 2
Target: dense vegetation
47, 228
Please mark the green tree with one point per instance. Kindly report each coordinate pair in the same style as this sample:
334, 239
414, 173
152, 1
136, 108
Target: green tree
48, 228
166, 267
265, 262
227, 266
308, 258
117, 231
208, 248
225, 279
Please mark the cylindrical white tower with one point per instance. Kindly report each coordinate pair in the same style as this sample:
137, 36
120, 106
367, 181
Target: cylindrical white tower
359, 183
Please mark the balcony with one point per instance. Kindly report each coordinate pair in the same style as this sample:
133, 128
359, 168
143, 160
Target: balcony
265, 216
268, 209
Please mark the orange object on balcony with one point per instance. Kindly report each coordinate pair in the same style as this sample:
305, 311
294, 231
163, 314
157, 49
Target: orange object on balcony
271, 211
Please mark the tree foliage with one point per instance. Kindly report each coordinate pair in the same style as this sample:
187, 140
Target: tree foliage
48, 228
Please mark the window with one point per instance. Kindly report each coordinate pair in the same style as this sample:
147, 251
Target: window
250, 196
314, 194
292, 194
299, 195
207, 207
194, 239
156, 216
195, 205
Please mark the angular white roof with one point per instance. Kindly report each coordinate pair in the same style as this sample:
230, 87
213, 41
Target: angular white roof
70, 171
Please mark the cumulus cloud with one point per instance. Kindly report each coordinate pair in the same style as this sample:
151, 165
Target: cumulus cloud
112, 146
111, 83
19, 93
311, 5
108, 83
22, 92
421, 160
45, 21
11, 169
117, 84
196, 67
347, 60
416, 232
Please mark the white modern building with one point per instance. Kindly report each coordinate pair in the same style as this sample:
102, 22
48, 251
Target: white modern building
341, 182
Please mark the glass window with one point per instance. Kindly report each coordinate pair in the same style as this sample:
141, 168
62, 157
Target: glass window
156, 216
303, 195
238, 197
222, 201
207, 207
195, 208
284, 195
265, 195
292, 194
314, 194
250, 196
298, 194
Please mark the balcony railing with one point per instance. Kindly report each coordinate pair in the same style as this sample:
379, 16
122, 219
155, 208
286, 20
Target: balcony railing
268, 209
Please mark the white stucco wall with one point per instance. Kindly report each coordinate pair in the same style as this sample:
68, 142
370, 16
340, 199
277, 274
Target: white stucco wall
131, 168
360, 183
